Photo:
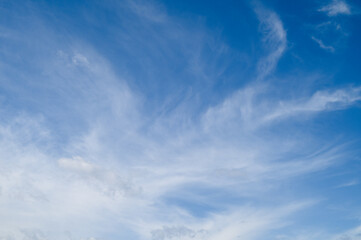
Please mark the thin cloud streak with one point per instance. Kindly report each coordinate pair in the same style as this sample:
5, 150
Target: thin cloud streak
348, 184
322, 45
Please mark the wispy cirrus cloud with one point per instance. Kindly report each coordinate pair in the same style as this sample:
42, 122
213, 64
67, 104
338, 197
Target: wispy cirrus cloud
319, 102
336, 7
274, 40
348, 184
322, 45
112, 168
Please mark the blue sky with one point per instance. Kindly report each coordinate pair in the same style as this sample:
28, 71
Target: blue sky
179, 120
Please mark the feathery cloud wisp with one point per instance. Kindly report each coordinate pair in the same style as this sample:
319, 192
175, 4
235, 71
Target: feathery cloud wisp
336, 7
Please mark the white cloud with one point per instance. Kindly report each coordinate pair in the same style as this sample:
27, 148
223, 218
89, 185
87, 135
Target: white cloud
248, 110
352, 234
126, 163
243, 222
348, 184
76, 164
336, 7
239, 106
319, 102
274, 40
148, 11
79, 59
178, 232
322, 45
